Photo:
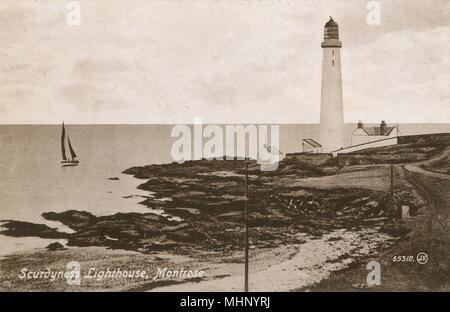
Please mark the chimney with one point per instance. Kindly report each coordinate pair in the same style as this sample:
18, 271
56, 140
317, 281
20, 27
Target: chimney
360, 124
383, 127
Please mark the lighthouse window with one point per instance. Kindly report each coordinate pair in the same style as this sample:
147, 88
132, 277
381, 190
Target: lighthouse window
332, 62
332, 52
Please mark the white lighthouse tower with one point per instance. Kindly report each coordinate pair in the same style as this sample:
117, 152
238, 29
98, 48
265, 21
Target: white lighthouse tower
331, 109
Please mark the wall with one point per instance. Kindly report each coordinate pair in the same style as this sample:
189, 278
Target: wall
379, 143
315, 159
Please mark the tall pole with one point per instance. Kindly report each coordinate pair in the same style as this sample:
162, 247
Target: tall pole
392, 180
246, 226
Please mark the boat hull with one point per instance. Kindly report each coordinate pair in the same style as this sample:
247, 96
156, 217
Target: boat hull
69, 163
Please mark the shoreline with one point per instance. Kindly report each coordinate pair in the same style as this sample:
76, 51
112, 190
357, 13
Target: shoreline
289, 266
337, 211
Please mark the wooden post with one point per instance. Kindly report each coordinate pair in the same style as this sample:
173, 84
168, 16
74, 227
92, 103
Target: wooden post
392, 180
405, 211
246, 226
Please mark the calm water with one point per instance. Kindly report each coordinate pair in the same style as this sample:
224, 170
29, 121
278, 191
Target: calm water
32, 180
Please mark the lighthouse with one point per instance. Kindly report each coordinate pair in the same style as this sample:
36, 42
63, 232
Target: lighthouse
331, 108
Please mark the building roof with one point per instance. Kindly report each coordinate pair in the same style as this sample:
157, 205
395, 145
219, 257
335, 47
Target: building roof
377, 130
312, 142
331, 23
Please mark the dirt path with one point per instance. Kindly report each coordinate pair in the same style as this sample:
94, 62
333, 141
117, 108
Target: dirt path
416, 168
435, 188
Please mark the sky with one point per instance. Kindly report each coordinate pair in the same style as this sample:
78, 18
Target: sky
150, 62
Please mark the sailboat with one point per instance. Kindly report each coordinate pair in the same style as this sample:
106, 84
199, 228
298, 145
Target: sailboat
73, 161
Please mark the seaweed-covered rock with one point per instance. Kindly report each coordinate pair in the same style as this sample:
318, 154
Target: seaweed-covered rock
55, 246
23, 229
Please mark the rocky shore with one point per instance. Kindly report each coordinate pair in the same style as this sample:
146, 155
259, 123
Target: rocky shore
203, 206
196, 207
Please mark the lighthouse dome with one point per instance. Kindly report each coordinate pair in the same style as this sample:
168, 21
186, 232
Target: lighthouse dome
331, 30
331, 23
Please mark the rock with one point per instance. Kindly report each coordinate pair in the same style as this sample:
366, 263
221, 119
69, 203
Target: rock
372, 204
114, 179
396, 230
55, 246
72, 218
23, 229
375, 219
334, 239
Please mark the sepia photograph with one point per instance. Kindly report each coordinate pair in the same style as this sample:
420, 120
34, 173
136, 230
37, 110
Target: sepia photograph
215, 146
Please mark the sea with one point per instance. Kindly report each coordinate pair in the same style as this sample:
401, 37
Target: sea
32, 180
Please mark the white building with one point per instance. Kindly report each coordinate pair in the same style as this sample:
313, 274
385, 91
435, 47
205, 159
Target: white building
364, 134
